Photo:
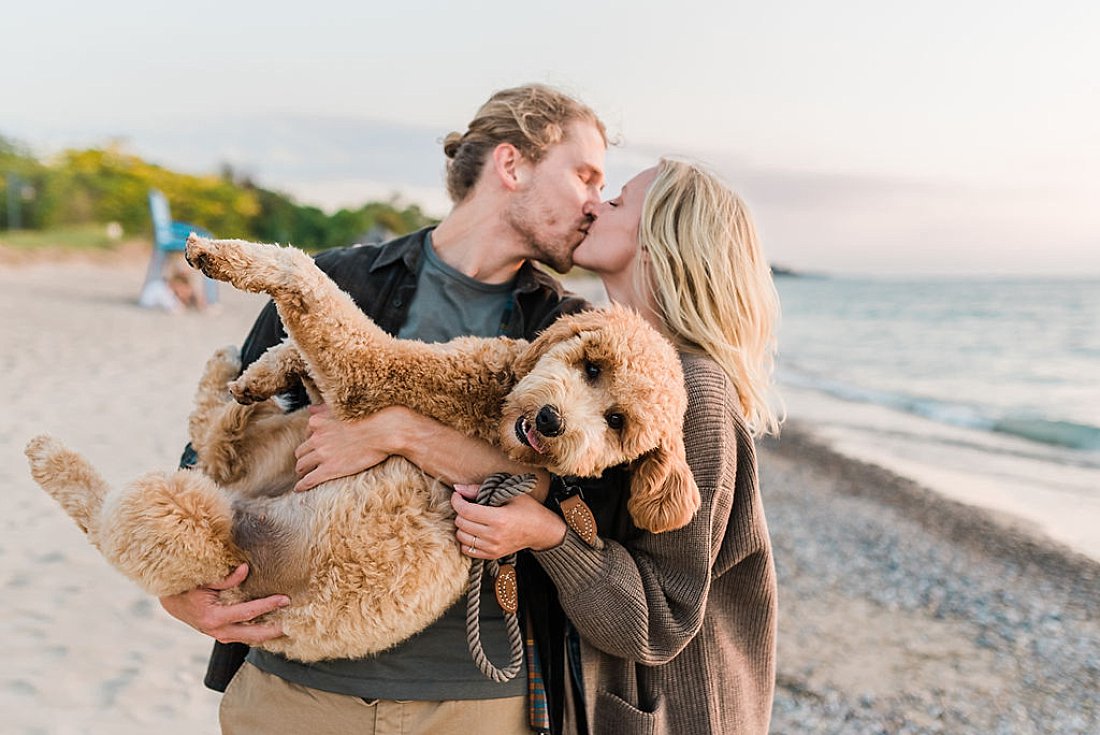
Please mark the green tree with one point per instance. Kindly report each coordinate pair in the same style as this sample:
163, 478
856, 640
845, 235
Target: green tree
107, 184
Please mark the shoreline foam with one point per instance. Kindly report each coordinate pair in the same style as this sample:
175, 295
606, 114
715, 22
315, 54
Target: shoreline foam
1050, 489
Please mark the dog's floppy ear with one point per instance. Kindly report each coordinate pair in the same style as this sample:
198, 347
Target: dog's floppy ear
561, 330
663, 493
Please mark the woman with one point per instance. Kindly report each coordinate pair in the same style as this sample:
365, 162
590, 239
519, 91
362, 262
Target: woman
671, 633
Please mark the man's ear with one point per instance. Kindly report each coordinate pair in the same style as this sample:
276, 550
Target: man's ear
510, 166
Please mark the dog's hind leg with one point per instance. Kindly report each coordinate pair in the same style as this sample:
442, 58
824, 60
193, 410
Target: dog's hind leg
212, 395
69, 479
168, 533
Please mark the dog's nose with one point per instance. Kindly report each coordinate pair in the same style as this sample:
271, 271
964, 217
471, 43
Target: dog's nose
548, 421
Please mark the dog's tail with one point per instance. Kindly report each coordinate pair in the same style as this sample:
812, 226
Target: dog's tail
169, 532
69, 479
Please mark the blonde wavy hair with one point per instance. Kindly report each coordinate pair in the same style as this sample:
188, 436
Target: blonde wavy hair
712, 285
532, 117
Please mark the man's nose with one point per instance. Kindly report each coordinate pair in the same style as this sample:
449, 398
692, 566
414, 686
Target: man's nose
593, 206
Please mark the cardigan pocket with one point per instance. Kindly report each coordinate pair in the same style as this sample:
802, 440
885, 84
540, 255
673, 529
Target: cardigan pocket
615, 715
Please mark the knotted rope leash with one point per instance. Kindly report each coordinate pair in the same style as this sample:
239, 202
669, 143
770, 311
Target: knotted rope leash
495, 491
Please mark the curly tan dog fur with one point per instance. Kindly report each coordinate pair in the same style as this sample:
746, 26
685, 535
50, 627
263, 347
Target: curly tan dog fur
369, 560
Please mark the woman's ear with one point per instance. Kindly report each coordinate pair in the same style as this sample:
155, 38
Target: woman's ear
663, 493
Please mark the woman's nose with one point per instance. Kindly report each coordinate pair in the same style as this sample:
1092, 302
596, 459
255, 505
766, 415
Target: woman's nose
601, 208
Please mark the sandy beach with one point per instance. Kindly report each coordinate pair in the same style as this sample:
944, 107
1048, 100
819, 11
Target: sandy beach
901, 611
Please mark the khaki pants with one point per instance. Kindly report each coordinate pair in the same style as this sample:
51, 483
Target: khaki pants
258, 703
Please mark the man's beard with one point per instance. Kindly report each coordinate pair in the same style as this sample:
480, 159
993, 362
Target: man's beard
552, 249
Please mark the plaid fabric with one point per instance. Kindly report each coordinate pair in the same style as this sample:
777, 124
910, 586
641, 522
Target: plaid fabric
538, 713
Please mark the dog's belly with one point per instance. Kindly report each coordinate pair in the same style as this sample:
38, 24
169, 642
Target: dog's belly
367, 560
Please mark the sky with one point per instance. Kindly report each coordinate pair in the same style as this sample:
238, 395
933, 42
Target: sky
877, 137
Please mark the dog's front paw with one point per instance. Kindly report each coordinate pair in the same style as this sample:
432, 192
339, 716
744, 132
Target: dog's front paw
246, 393
207, 256
246, 265
249, 266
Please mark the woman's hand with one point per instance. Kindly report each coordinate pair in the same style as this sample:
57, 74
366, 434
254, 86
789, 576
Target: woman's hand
336, 448
493, 532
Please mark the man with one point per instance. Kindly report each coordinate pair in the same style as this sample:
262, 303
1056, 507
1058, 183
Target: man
525, 178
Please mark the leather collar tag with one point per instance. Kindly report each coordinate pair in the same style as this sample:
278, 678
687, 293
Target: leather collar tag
579, 517
505, 588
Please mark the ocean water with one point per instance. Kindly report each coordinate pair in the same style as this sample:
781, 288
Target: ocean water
987, 390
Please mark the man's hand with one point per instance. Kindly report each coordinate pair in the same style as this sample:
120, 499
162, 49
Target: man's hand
200, 609
336, 448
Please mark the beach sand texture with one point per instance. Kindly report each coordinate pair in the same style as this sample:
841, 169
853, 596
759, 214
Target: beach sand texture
900, 611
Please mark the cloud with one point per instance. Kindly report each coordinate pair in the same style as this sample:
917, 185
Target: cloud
854, 222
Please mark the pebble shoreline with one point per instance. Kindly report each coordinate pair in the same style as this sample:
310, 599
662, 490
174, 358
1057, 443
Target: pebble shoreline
963, 622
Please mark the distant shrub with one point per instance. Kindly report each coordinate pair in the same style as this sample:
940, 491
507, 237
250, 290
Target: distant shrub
100, 185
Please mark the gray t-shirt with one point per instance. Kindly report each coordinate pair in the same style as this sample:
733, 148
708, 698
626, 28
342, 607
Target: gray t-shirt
434, 664
449, 304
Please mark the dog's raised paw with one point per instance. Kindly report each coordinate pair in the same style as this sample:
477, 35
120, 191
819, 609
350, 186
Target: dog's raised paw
200, 254
243, 395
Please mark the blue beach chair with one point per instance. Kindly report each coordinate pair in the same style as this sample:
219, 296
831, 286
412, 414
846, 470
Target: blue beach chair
171, 237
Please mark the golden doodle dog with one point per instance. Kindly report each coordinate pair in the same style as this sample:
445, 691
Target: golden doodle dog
371, 559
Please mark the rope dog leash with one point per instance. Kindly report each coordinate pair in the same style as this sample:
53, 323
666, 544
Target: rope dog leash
495, 491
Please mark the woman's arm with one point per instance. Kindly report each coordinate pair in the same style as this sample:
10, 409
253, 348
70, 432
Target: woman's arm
644, 598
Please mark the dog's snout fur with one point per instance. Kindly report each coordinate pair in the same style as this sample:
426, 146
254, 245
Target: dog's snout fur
548, 421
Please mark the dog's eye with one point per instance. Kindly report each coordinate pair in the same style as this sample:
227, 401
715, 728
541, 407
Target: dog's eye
592, 370
615, 420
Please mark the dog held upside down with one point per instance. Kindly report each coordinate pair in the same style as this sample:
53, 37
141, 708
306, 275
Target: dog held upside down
371, 559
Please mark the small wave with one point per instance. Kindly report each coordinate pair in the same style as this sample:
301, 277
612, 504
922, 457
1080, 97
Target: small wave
1057, 433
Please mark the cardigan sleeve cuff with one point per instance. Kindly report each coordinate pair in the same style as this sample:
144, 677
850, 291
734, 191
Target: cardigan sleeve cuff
573, 564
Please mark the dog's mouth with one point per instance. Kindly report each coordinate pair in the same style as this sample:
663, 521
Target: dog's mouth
526, 434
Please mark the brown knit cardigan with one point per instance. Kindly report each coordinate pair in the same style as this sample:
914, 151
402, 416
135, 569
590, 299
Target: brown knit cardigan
678, 629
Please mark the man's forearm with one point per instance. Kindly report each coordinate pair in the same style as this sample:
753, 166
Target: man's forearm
456, 458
